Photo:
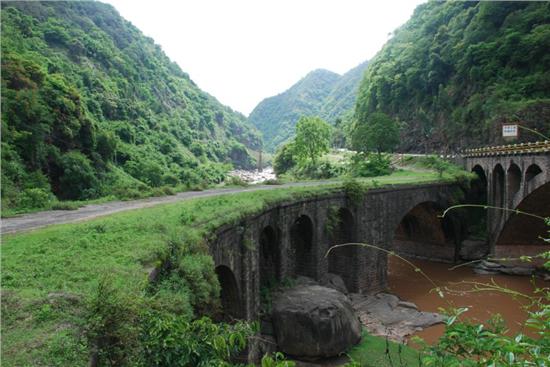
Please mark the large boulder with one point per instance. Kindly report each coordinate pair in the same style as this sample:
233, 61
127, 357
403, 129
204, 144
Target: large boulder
334, 281
311, 321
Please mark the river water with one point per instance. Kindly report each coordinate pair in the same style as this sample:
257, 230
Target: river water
410, 285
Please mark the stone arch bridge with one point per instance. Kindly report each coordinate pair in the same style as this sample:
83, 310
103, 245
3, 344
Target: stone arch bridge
292, 238
514, 177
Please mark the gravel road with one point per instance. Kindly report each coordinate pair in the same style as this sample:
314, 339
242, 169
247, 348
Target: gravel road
27, 222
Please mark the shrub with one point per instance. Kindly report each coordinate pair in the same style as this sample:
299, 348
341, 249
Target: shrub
319, 170
198, 271
355, 191
284, 159
112, 324
370, 165
237, 181
35, 198
78, 180
170, 340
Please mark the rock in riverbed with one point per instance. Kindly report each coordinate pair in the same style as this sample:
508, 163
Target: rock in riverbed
311, 321
384, 314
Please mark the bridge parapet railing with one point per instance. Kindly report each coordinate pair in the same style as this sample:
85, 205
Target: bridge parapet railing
511, 149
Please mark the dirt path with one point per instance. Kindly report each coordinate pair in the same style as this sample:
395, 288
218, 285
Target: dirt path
27, 222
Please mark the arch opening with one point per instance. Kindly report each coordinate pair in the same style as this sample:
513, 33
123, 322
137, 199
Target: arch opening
532, 171
476, 220
423, 234
521, 234
341, 260
513, 180
301, 243
229, 294
270, 258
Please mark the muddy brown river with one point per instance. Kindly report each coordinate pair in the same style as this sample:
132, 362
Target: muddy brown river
412, 286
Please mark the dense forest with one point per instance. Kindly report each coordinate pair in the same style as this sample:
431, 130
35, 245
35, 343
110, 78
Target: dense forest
457, 70
91, 107
320, 93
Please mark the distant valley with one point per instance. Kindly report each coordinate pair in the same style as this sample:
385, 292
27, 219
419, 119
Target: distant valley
321, 93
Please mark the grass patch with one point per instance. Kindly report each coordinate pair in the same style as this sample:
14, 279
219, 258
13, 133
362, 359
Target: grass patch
375, 351
67, 261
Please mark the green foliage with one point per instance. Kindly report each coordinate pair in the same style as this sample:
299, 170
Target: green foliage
370, 165
379, 133
35, 198
374, 351
333, 220
80, 85
78, 180
170, 340
322, 169
312, 139
320, 93
284, 159
467, 343
112, 327
276, 360
457, 70
355, 191
236, 181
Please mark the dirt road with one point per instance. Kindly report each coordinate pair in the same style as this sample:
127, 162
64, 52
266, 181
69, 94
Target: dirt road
27, 222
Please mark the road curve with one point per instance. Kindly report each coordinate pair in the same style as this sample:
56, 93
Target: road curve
27, 222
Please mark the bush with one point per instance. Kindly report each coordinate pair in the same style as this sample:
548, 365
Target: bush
355, 191
78, 180
284, 159
370, 165
319, 170
170, 340
35, 198
198, 272
112, 327
65, 205
236, 181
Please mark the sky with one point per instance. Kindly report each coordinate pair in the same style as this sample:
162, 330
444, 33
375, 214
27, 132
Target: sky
242, 51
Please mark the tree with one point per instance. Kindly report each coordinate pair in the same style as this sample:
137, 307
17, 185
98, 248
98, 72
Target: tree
378, 133
284, 158
312, 138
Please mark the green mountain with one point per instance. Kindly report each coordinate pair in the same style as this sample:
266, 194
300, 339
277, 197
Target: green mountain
321, 93
457, 70
342, 96
92, 107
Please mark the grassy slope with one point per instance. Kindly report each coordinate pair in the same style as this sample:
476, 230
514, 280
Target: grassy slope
39, 327
371, 352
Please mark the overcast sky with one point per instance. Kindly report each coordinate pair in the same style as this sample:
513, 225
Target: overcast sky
242, 51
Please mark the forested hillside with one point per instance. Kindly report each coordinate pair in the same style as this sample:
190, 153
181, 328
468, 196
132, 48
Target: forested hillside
457, 70
91, 107
320, 93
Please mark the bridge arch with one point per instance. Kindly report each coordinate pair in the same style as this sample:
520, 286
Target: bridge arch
532, 171
513, 181
270, 256
423, 233
301, 244
229, 293
520, 234
479, 186
341, 260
